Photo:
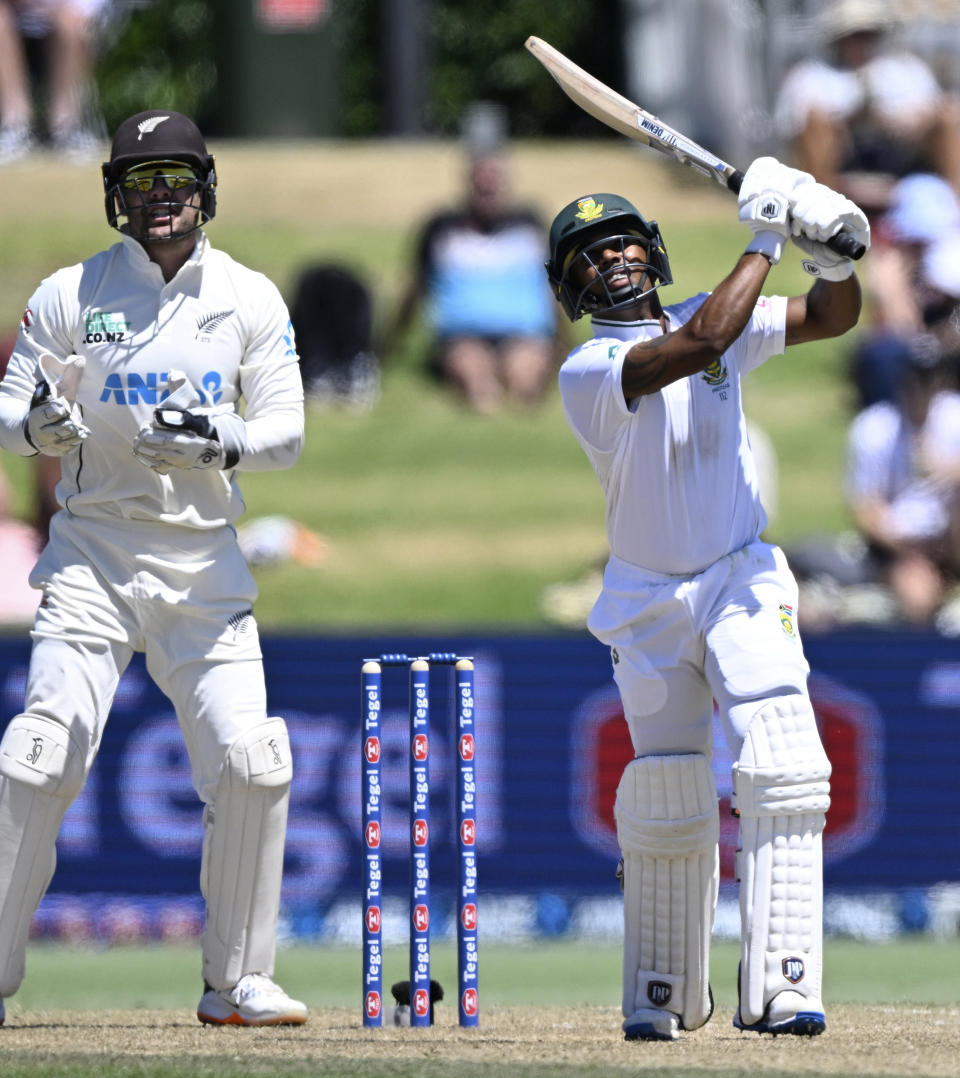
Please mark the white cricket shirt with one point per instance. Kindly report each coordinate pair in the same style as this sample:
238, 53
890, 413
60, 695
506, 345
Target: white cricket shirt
675, 466
224, 325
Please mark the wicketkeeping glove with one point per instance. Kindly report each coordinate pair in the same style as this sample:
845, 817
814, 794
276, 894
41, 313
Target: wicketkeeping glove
819, 213
765, 198
189, 437
54, 425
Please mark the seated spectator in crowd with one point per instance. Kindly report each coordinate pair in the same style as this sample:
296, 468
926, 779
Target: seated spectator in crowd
903, 483
924, 211
867, 111
478, 276
66, 29
940, 295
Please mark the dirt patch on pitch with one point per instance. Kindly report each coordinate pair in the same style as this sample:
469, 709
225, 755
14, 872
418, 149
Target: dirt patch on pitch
860, 1041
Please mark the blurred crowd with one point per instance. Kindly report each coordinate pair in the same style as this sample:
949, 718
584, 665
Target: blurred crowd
47, 90
872, 118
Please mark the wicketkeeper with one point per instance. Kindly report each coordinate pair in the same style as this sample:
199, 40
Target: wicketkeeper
131, 368
694, 606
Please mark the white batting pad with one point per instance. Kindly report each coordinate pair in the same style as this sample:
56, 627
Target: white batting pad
41, 772
781, 787
668, 828
242, 866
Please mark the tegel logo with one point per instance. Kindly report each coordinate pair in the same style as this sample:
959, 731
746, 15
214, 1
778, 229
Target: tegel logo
153, 387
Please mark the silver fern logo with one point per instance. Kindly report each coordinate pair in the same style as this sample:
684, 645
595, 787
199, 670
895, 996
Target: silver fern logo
146, 127
206, 327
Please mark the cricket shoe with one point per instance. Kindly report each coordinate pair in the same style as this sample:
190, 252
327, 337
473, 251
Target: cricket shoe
788, 1012
253, 1001
649, 1024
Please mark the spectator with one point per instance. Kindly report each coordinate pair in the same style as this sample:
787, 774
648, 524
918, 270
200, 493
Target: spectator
868, 111
923, 212
479, 275
66, 28
903, 481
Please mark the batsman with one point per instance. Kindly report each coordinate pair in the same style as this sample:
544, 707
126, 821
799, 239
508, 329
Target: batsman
695, 607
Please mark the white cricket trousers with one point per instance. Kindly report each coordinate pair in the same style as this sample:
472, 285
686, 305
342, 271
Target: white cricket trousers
678, 643
181, 596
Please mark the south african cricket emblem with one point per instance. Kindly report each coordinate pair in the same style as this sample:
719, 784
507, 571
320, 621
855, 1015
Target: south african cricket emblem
715, 374
786, 620
588, 209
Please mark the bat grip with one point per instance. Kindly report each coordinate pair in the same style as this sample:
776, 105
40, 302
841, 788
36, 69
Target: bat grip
844, 243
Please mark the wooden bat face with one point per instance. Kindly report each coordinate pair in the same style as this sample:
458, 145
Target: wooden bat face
621, 114
596, 99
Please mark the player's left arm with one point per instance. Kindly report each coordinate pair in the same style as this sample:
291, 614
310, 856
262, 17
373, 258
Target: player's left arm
832, 306
272, 388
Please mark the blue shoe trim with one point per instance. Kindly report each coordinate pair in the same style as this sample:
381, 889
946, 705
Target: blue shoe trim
645, 1031
802, 1024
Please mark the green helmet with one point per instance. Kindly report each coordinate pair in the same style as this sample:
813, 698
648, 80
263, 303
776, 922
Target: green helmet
582, 224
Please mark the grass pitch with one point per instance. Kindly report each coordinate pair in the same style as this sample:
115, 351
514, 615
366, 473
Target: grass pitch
546, 1009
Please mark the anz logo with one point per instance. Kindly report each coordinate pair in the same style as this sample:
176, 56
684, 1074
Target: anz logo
154, 388
289, 340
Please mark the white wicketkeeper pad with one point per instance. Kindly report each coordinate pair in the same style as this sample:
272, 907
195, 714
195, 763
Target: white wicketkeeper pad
668, 828
41, 772
242, 865
781, 787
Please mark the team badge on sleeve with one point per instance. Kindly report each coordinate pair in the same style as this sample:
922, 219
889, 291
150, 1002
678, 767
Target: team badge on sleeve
26, 320
786, 619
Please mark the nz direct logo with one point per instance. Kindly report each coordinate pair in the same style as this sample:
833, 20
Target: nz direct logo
153, 387
104, 327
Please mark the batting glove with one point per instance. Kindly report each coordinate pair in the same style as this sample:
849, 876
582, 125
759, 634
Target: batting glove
768, 216
768, 174
54, 425
182, 439
765, 198
818, 214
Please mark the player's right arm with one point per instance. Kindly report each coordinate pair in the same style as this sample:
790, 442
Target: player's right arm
717, 323
765, 198
33, 416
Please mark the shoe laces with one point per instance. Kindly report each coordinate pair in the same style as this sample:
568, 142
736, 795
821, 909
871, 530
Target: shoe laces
254, 984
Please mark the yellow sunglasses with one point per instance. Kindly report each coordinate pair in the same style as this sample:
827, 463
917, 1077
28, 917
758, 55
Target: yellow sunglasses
176, 176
